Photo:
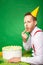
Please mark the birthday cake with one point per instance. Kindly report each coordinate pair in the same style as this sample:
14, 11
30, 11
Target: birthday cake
9, 52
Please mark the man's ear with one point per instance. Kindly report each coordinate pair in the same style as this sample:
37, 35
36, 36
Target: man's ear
35, 22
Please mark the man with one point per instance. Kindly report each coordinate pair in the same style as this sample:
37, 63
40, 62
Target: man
35, 41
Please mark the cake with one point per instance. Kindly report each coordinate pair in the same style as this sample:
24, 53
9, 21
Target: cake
9, 52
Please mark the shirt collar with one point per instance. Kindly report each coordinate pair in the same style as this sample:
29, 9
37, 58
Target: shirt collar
34, 30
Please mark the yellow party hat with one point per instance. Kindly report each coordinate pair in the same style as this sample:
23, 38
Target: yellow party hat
35, 11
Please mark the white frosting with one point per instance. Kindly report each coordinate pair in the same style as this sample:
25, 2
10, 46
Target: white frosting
11, 51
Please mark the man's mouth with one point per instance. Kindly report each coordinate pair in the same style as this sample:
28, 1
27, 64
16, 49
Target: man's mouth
27, 29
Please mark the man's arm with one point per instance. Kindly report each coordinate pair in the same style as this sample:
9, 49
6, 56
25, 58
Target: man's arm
38, 42
33, 60
38, 58
26, 43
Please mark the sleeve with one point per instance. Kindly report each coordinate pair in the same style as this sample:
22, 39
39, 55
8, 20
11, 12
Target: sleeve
38, 42
33, 60
38, 58
27, 45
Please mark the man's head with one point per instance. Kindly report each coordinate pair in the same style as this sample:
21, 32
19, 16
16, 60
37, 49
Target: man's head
29, 22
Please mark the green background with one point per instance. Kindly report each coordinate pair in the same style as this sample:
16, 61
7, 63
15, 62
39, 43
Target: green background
11, 19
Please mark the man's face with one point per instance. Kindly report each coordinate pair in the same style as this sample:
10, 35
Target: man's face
29, 23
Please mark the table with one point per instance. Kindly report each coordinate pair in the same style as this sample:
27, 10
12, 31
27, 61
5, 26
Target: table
3, 62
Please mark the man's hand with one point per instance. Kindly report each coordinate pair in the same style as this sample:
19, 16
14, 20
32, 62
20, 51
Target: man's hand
15, 59
24, 36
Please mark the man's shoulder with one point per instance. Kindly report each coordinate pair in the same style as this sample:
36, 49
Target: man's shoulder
38, 30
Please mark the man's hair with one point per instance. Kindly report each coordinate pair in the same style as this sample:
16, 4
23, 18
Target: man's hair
34, 18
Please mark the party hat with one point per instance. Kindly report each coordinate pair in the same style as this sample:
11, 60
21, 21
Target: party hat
35, 12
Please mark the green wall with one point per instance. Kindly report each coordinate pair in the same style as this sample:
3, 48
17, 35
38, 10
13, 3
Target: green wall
11, 19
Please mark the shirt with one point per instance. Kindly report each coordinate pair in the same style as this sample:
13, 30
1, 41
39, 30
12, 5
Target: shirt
36, 42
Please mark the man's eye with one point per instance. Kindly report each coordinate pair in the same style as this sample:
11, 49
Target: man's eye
28, 21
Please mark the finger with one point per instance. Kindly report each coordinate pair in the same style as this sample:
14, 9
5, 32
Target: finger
9, 60
23, 31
